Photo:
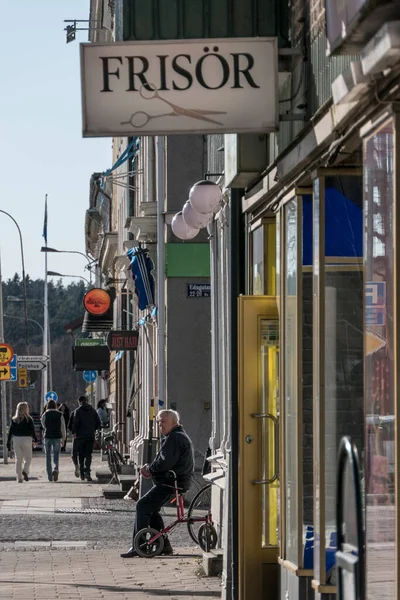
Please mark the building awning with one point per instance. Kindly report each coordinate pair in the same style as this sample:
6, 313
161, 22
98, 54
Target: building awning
142, 266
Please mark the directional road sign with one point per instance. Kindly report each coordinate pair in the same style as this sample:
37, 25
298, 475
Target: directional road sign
51, 396
89, 376
5, 373
13, 368
6, 354
35, 365
28, 359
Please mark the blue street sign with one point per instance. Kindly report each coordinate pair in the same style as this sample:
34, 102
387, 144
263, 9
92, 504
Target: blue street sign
13, 368
51, 396
89, 376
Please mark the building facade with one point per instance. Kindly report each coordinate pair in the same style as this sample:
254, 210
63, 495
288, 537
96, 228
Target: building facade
303, 309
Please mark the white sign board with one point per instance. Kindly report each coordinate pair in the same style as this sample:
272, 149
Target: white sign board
27, 359
180, 86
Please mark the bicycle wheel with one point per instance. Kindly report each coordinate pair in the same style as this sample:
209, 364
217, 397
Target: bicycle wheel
142, 546
207, 537
113, 464
199, 507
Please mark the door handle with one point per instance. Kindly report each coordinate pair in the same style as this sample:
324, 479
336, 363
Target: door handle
275, 422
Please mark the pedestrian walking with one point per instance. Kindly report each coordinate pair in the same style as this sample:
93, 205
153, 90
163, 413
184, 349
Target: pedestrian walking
103, 413
22, 433
84, 426
74, 451
54, 432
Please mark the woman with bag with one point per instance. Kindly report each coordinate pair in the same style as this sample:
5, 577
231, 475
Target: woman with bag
22, 433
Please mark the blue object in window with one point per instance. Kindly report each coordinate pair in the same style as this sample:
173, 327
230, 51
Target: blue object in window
142, 266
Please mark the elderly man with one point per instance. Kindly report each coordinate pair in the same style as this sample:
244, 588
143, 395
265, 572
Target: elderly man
175, 454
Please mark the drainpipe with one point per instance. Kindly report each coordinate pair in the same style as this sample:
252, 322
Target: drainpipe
237, 287
160, 191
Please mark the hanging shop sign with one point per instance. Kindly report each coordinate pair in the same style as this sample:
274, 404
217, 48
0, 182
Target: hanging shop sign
180, 86
122, 340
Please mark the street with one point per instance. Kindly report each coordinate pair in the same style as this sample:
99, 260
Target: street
62, 540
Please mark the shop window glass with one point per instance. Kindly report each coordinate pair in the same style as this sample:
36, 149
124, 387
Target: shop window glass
379, 364
343, 334
338, 347
290, 383
258, 261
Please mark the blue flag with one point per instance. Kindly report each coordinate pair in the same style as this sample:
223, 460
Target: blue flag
45, 221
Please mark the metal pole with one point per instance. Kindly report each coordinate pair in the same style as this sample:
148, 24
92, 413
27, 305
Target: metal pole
3, 383
45, 327
160, 269
49, 349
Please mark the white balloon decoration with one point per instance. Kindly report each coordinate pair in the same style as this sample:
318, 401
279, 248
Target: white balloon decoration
195, 219
181, 229
205, 197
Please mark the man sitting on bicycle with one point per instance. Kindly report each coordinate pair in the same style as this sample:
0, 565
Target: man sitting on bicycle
175, 454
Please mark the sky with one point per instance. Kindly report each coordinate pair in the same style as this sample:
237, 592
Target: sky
41, 146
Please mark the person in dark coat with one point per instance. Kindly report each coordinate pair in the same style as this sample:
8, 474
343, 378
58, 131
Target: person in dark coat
54, 431
175, 454
85, 423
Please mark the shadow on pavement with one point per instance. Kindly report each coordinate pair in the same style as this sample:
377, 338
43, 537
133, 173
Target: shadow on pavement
114, 588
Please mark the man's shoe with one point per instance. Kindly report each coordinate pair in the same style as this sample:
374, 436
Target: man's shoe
25, 476
130, 554
55, 475
82, 478
88, 478
77, 472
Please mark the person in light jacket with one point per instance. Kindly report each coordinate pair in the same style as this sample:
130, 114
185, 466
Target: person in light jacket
22, 433
53, 424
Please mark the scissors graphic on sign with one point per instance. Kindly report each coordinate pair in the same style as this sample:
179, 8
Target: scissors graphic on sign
140, 118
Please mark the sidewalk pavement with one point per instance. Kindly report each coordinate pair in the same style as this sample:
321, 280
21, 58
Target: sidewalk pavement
47, 553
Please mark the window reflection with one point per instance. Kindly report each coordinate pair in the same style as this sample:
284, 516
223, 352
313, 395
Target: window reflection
379, 363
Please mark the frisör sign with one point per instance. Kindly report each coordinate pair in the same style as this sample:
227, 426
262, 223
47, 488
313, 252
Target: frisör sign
188, 86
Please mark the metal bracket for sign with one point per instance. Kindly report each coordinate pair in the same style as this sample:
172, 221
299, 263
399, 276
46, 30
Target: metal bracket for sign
298, 51
292, 117
72, 29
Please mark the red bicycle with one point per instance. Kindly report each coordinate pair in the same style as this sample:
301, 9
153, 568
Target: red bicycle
149, 542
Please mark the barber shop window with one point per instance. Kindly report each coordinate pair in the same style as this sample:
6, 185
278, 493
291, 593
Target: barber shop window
338, 345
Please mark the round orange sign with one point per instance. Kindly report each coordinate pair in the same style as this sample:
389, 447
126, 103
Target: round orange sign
6, 354
97, 301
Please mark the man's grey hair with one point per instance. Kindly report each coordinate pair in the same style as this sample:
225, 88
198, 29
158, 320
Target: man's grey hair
172, 413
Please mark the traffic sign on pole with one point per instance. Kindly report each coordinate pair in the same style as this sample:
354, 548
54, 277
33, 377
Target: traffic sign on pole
28, 359
5, 373
13, 368
89, 376
51, 396
36, 365
22, 378
6, 354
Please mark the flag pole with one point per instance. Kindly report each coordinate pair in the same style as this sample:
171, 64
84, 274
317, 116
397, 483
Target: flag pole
46, 311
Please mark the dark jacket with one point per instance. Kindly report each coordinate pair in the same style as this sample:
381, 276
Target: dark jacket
175, 454
85, 422
53, 424
24, 428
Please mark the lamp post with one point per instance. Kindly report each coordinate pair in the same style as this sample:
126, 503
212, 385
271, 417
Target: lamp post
23, 276
55, 274
89, 261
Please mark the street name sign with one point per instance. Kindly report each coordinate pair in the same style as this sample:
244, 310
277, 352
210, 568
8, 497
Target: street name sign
29, 359
180, 86
35, 365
